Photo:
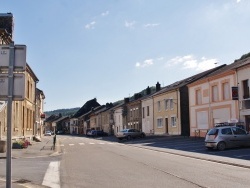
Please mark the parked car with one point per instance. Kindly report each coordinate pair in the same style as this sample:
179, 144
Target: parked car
130, 133
226, 137
60, 132
95, 133
48, 133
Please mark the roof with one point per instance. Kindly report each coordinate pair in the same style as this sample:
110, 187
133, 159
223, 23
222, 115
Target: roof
186, 81
86, 108
231, 67
61, 119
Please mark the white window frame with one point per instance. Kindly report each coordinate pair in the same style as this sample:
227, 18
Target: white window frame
173, 121
159, 122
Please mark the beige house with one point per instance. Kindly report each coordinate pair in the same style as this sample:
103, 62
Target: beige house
243, 80
166, 112
23, 112
211, 98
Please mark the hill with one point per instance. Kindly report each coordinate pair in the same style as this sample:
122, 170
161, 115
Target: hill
63, 112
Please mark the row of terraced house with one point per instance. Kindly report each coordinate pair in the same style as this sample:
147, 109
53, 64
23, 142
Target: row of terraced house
27, 115
186, 107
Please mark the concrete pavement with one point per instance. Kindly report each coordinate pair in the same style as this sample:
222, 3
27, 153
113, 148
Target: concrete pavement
36, 149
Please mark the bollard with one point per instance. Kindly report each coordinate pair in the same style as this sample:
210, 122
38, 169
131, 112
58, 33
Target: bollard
54, 141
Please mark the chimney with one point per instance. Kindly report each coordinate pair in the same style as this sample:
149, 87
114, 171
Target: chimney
148, 91
158, 86
126, 100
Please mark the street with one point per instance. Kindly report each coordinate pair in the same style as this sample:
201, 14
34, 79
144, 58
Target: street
88, 162
158, 162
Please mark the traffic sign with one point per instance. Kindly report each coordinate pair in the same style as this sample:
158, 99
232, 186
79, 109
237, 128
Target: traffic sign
20, 57
18, 89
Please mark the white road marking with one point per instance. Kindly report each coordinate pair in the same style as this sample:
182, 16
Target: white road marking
71, 144
62, 145
101, 143
81, 143
91, 143
52, 177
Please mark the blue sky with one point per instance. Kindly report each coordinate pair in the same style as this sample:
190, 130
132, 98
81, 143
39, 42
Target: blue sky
111, 49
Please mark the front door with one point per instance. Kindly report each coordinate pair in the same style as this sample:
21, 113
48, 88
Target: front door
166, 124
247, 118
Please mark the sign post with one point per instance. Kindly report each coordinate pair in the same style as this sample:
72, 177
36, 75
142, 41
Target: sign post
9, 118
13, 61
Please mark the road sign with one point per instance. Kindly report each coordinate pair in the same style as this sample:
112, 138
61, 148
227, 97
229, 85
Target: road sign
18, 89
20, 57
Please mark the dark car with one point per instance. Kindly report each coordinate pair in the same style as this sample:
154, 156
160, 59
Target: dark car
95, 133
130, 133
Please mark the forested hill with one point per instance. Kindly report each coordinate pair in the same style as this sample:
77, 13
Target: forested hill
64, 112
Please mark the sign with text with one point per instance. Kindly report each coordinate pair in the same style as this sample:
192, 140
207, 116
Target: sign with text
20, 57
18, 89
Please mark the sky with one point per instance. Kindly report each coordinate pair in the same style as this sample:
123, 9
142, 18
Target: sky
112, 49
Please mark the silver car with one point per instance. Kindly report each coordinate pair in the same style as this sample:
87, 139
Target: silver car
129, 133
226, 137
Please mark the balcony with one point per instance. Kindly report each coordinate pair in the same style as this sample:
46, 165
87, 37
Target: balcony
246, 104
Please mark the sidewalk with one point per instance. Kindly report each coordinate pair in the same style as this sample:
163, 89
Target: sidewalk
36, 149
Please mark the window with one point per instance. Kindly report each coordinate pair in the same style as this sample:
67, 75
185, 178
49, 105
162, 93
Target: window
214, 93
245, 89
143, 112
198, 97
159, 105
166, 104
147, 110
226, 131
238, 131
173, 121
159, 123
226, 91
171, 104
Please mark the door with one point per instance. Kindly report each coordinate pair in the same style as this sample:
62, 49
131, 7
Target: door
247, 120
166, 124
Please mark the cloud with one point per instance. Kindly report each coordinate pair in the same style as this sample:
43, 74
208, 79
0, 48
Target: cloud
129, 24
191, 62
105, 13
151, 25
238, 1
145, 63
90, 25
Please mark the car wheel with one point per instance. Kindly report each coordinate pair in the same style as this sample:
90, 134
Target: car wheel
119, 138
221, 146
128, 137
142, 135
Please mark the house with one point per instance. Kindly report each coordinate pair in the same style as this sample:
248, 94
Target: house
147, 104
23, 112
59, 124
77, 125
171, 106
211, 99
116, 118
49, 122
39, 113
243, 81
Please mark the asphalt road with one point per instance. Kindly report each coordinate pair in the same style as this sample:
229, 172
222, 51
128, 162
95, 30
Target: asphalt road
150, 162
88, 162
